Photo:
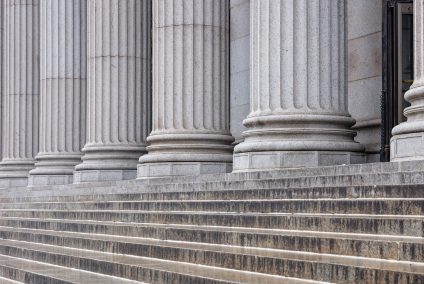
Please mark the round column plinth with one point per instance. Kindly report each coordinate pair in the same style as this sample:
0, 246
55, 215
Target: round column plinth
108, 162
186, 155
53, 169
14, 172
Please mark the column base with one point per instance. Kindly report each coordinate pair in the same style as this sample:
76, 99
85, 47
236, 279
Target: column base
14, 172
53, 169
268, 160
103, 175
107, 162
170, 169
407, 147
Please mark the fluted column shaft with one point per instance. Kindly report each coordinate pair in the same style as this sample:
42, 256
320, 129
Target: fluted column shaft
63, 90
191, 89
119, 80
2, 67
22, 79
408, 137
298, 96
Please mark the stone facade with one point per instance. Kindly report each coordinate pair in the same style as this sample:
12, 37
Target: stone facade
111, 90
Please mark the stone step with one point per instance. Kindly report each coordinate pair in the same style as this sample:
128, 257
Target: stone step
33, 272
371, 246
378, 191
407, 178
144, 269
354, 169
385, 206
9, 281
318, 267
402, 225
400, 178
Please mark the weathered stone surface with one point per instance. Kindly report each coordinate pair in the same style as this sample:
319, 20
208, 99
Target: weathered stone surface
350, 224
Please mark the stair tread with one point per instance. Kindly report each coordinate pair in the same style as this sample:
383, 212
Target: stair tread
276, 232
217, 273
60, 272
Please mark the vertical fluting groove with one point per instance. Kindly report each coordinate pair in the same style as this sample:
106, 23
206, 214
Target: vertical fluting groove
63, 79
188, 47
119, 79
22, 87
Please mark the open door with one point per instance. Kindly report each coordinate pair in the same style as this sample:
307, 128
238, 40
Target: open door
397, 67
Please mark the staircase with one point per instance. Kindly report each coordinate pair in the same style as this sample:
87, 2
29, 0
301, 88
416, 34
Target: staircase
346, 224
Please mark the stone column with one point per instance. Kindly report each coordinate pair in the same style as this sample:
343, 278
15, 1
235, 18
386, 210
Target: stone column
2, 89
299, 114
119, 80
22, 78
191, 89
63, 91
407, 142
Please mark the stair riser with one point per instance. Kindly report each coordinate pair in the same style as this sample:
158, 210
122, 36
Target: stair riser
109, 268
395, 207
28, 277
291, 268
374, 249
315, 223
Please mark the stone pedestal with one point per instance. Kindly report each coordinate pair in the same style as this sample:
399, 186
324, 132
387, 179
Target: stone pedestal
63, 91
119, 80
299, 114
191, 90
407, 142
21, 97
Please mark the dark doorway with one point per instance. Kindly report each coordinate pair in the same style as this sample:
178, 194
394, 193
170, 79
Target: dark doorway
397, 67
